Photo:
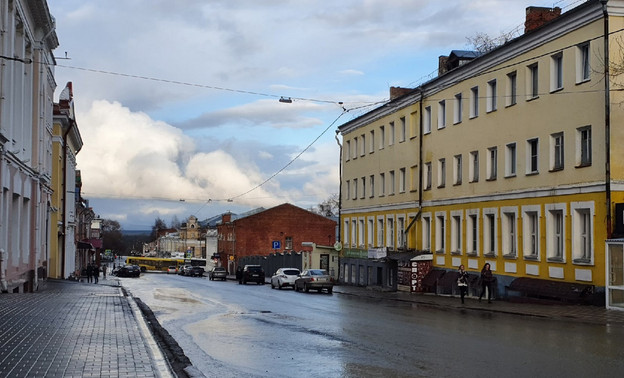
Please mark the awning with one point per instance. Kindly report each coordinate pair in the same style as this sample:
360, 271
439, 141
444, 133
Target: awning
84, 245
404, 256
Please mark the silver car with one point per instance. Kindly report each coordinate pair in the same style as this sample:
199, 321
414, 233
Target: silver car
314, 279
284, 277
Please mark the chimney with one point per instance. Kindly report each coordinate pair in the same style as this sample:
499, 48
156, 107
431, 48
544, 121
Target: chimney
396, 92
538, 16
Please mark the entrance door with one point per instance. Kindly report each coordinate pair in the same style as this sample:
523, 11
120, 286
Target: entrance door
615, 275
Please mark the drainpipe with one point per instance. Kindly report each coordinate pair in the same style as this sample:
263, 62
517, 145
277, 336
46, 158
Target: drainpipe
607, 110
339, 186
3, 282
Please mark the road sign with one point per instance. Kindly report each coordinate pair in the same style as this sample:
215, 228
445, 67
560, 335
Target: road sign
277, 244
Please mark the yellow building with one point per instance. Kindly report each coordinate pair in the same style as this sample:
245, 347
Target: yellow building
506, 158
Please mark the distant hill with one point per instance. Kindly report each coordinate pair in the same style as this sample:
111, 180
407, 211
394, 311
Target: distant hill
136, 232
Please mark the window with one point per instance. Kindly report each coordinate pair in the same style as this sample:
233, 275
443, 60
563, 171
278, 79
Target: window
380, 232
474, 102
584, 147
355, 188
370, 232
345, 234
348, 189
491, 96
441, 114
556, 152
382, 137
555, 232
474, 166
363, 187
363, 152
400, 232
556, 72
492, 163
512, 88
457, 170
382, 184
402, 180
582, 232
456, 232
361, 233
530, 227
426, 232
472, 233
353, 232
414, 124
348, 151
414, 178
392, 183
391, 134
458, 108
441, 173
583, 69
428, 176
533, 77
427, 120
372, 185
355, 148
510, 160
532, 156
489, 232
509, 232
440, 232
371, 149
403, 131
390, 237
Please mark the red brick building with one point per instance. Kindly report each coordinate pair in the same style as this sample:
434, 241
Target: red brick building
278, 229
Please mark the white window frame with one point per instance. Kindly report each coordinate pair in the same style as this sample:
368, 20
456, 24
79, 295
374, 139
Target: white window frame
371, 143
457, 220
403, 130
391, 132
400, 228
556, 72
458, 109
472, 232
363, 145
474, 102
353, 232
532, 81
390, 232
355, 188
555, 240
441, 173
361, 233
426, 232
557, 151
392, 182
511, 159
345, 233
371, 180
531, 224
428, 176
363, 180
509, 231
457, 169
370, 232
583, 146
582, 238
355, 148
492, 163
382, 137
380, 231
473, 168
348, 189
490, 232
382, 184
402, 180
583, 62
442, 114
492, 96
512, 88
440, 225
532, 148
427, 120
348, 151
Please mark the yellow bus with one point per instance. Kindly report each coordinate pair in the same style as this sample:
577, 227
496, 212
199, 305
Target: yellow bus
154, 263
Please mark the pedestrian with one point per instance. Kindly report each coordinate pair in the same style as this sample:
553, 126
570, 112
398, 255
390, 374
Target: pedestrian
89, 273
462, 282
487, 280
239, 275
96, 273
104, 268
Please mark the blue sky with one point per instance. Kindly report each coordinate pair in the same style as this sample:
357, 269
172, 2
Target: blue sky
179, 100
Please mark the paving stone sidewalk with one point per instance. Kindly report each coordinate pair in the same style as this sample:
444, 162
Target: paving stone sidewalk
74, 329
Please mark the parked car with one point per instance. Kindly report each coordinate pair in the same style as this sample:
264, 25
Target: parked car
172, 269
183, 270
315, 279
129, 271
218, 272
252, 273
195, 271
284, 277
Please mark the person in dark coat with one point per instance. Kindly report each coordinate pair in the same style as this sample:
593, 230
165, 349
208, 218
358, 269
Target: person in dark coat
487, 281
89, 273
96, 273
462, 282
239, 274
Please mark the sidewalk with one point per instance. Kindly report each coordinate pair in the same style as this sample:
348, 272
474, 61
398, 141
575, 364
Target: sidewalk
74, 329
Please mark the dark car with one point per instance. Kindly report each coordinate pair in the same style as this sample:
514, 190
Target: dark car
195, 271
217, 273
252, 273
129, 271
315, 279
184, 269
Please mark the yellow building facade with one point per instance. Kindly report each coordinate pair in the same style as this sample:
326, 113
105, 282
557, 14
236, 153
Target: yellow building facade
509, 158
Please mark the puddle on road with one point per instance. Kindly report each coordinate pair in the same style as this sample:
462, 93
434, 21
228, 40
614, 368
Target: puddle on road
176, 295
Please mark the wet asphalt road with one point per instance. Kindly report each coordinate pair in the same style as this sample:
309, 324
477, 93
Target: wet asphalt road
228, 329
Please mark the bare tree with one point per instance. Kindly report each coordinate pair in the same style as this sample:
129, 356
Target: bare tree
483, 43
327, 208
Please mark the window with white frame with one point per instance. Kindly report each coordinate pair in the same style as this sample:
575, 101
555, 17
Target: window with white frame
555, 231
348, 189
391, 179
533, 81
413, 125
512, 88
510, 160
390, 236
403, 129
456, 232
490, 232
353, 232
556, 151
355, 148
391, 134
363, 187
440, 232
583, 69
532, 156
355, 188
492, 96
348, 150
363, 149
441, 173
458, 110
361, 233
345, 232
370, 233
402, 180
472, 232
473, 170
400, 232
474, 102
556, 72
457, 169
492, 163
582, 232
427, 120
426, 232
414, 177
371, 140
380, 232
428, 176
382, 184
441, 114
382, 137
372, 185
509, 231
583, 146
531, 226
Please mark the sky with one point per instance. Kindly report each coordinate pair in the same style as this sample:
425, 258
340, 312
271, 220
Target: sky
177, 102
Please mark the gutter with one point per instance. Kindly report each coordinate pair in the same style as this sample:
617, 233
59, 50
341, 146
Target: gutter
607, 110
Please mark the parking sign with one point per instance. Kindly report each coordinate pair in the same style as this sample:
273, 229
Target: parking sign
277, 244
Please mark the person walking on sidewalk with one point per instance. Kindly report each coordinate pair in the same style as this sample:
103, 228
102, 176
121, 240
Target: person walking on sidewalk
96, 273
104, 268
487, 279
462, 282
89, 273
